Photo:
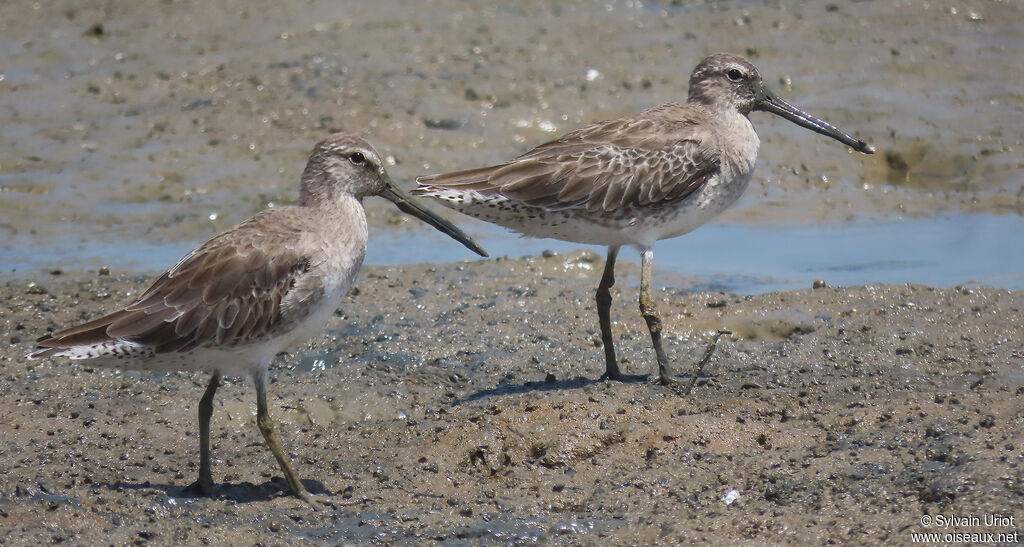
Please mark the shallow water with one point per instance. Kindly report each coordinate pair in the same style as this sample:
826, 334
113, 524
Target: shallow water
129, 135
975, 250
981, 250
129, 132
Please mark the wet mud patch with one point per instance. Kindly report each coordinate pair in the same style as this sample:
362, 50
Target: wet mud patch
470, 410
179, 121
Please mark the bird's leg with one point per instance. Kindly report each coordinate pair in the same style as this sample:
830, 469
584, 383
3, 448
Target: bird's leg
204, 485
604, 303
651, 314
266, 426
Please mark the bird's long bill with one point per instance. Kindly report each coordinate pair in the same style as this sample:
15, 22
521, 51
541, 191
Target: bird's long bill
774, 104
410, 206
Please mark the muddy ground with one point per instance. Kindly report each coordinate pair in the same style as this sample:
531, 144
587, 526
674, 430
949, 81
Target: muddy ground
461, 404
132, 125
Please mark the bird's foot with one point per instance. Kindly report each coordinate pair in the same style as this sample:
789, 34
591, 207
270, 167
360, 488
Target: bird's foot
203, 486
620, 377
665, 379
317, 502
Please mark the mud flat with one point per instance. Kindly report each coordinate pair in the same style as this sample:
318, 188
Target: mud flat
460, 403
142, 127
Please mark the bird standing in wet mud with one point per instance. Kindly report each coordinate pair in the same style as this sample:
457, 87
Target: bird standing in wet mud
251, 292
634, 180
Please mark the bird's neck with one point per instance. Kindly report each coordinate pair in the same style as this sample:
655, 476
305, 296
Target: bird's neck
342, 204
341, 223
738, 134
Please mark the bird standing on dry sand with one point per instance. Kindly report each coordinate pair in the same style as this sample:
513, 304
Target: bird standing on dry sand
633, 180
249, 293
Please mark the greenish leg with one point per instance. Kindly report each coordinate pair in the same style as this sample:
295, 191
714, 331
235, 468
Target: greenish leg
651, 315
266, 426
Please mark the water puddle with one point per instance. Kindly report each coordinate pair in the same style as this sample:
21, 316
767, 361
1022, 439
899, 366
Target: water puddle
979, 250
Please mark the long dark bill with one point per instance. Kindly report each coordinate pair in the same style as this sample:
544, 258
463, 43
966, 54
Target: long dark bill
410, 206
774, 104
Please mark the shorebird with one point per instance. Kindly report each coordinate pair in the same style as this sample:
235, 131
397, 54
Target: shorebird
633, 180
249, 293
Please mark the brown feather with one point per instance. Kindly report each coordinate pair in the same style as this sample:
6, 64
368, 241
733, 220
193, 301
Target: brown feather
92, 332
199, 300
138, 324
648, 160
460, 178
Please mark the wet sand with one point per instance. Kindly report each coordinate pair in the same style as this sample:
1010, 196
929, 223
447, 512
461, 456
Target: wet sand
461, 403
164, 124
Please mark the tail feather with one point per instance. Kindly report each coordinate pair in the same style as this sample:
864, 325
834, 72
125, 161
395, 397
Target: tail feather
89, 333
470, 179
109, 353
69, 341
40, 353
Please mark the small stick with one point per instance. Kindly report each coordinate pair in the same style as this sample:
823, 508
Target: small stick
704, 360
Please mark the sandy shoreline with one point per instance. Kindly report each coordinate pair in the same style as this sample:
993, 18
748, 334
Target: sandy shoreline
835, 414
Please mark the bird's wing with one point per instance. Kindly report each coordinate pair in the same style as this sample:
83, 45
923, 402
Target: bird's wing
227, 291
605, 166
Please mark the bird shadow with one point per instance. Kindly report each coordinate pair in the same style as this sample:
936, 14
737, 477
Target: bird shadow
242, 492
681, 385
548, 384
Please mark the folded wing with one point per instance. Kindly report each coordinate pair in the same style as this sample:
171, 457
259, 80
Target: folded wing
605, 166
226, 292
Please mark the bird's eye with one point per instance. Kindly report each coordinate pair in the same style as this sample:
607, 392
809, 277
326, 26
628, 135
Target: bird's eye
734, 75
357, 158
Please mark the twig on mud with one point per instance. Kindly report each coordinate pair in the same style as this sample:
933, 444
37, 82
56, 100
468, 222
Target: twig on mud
704, 360
359, 501
416, 494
